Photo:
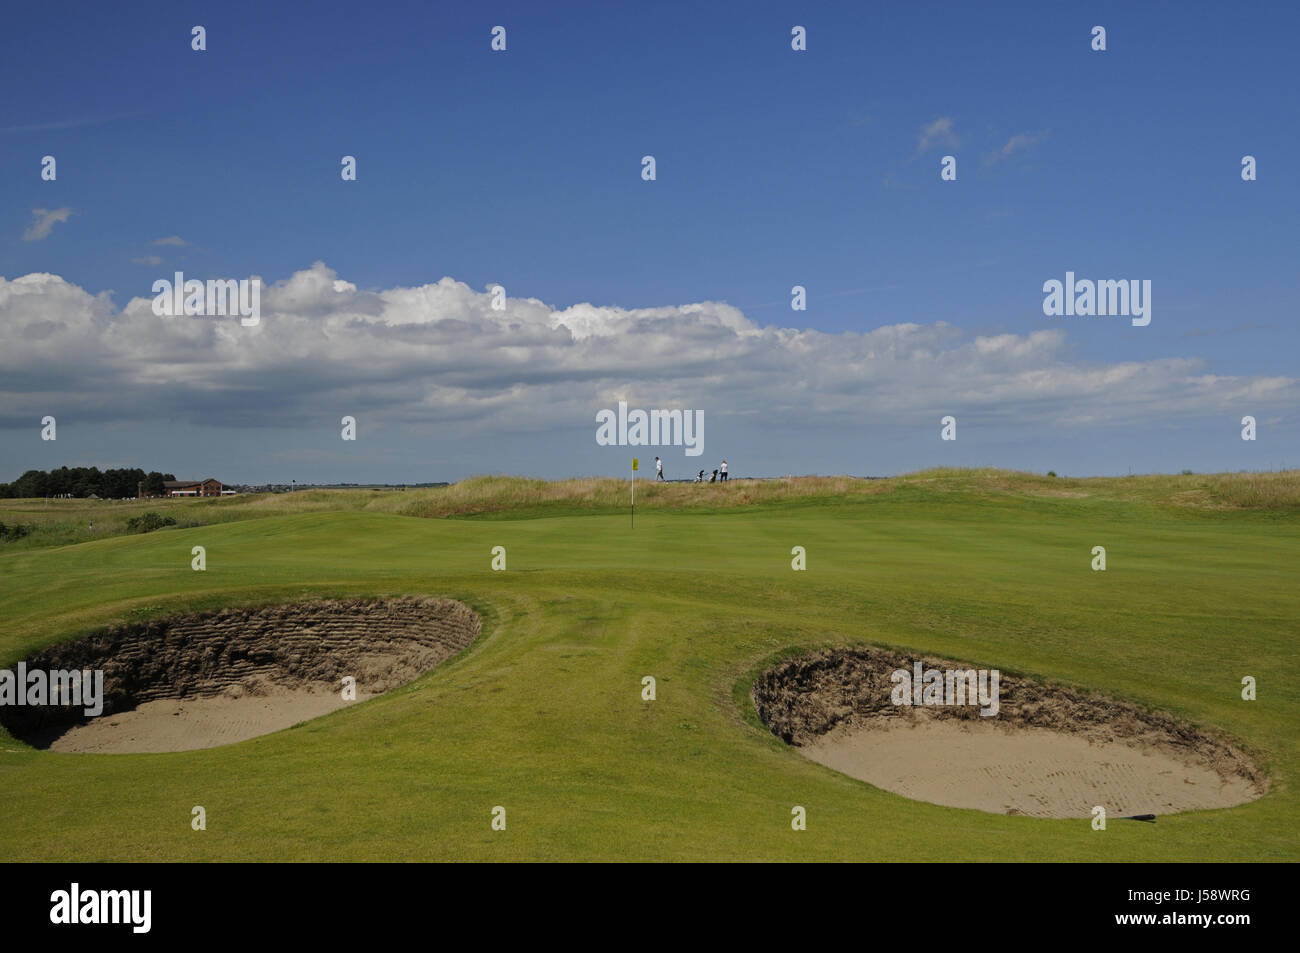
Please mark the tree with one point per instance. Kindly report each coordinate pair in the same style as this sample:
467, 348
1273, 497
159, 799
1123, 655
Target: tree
83, 481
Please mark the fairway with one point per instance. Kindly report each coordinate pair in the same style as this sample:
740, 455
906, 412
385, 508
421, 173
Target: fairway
543, 714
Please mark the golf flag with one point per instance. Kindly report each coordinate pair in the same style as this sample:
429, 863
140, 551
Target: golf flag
635, 462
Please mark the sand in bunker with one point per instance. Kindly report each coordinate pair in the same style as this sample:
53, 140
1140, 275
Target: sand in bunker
1031, 771
1049, 751
176, 724
213, 678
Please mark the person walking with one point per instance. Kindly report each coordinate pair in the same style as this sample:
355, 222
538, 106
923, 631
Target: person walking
722, 470
659, 469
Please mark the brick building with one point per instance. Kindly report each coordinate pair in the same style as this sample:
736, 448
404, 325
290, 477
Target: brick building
208, 487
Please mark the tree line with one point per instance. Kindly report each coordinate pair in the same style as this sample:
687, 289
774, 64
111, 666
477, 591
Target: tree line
83, 482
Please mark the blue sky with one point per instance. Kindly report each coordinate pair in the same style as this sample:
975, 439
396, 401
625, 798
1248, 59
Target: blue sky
774, 168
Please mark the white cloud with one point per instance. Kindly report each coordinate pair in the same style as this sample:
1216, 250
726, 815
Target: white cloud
170, 240
71, 123
438, 355
937, 133
1021, 140
43, 221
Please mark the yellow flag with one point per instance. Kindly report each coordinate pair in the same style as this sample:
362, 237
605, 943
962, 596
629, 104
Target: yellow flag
634, 463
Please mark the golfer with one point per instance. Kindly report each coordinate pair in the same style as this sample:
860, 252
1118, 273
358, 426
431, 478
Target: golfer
659, 469
722, 471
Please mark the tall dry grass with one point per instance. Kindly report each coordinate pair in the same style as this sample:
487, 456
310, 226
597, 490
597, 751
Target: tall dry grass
488, 494
1277, 490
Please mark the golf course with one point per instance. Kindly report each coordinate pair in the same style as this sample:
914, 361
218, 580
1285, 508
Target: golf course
544, 713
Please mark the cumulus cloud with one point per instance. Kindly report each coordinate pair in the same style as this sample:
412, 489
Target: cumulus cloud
438, 354
937, 133
171, 240
43, 222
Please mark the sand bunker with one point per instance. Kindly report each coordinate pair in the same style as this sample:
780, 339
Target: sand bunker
213, 678
1050, 752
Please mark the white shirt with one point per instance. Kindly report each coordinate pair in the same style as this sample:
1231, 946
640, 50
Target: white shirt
724, 466
659, 466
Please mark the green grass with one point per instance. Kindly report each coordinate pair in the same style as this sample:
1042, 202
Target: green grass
543, 714
61, 522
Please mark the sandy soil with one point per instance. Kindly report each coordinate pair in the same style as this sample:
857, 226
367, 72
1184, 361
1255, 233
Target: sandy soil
174, 724
1031, 771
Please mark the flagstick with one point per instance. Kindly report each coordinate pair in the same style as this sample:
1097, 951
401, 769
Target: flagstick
634, 495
